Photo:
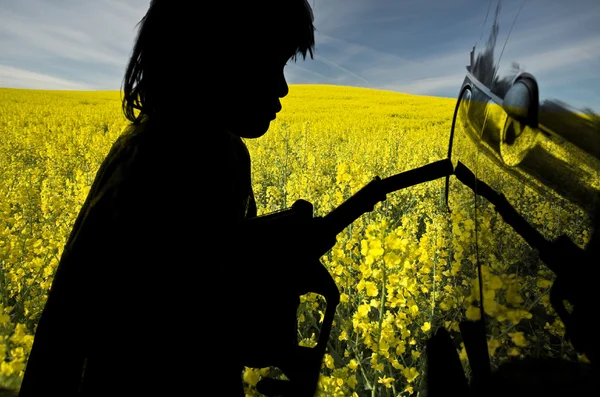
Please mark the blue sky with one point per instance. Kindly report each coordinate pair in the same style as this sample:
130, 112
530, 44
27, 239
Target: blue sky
412, 46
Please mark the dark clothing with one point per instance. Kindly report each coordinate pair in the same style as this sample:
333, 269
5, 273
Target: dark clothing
137, 305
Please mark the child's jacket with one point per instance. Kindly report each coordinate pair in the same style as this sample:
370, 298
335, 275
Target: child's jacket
138, 299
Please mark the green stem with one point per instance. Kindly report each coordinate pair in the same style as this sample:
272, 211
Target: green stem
381, 310
435, 256
360, 360
339, 361
392, 375
287, 137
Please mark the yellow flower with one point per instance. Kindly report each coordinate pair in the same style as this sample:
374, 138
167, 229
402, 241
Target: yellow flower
352, 382
364, 247
378, 366
518, 338
4, 318
251, 376
391, 259
353, 364
329, 361
517, 315
387, 382
17, 353
375, 248
343, 335
363, 310
512, 295
372, 289
17, 366
426, 327
544, 283
360, 285
400, 348
344, 298
6, 369
410, 374
493, 344
473, 313
495, 282
393, 279
264, 371
392, 242
463, 353
469, 224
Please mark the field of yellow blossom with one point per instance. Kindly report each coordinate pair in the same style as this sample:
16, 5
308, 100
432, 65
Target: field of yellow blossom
403, 270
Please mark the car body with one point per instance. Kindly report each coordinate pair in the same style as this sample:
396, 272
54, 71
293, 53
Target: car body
526, 132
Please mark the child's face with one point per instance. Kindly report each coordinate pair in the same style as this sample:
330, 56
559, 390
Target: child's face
259, 88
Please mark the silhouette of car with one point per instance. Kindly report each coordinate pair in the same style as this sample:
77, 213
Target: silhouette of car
525, 143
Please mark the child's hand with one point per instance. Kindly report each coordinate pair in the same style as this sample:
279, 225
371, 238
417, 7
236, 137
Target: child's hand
306, 242
316, 238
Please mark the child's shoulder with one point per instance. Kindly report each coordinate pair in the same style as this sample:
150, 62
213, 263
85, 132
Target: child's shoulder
190, 144
132, 134
119, 163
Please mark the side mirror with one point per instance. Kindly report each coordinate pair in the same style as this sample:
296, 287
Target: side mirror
521, 102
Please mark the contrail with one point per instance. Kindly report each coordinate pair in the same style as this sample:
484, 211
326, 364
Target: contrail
310, 71
331, 63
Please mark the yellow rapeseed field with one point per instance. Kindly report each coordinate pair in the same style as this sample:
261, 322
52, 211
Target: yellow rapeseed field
403, 270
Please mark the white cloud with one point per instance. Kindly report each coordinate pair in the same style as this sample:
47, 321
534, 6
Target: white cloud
427, 86
19, 78
47, 43
26, 37
565, 56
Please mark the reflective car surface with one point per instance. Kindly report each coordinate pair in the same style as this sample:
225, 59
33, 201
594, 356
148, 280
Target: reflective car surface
525, 144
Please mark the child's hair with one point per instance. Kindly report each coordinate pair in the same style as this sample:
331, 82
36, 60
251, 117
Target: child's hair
185, 50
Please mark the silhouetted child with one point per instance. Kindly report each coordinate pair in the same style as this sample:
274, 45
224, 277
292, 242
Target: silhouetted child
157, 293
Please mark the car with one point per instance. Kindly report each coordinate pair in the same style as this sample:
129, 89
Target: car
525, 144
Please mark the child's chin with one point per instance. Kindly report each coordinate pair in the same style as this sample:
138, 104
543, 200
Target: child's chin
253, 131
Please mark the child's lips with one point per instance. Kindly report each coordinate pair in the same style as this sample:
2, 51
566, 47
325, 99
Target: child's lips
274, 114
